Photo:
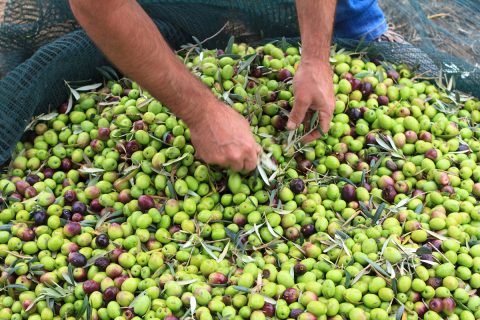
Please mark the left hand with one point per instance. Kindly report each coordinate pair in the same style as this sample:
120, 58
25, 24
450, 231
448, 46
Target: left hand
313, 89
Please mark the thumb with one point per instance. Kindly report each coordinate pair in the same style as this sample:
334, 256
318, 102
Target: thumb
297, 114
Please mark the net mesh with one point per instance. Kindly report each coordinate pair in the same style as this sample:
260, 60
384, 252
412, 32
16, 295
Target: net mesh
41, 45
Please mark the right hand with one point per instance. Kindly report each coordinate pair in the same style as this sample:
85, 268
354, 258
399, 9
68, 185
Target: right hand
223, 137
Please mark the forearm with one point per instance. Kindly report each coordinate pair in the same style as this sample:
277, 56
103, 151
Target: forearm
129, 38
315, 18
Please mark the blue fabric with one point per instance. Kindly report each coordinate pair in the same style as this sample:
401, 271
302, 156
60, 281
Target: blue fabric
359, 19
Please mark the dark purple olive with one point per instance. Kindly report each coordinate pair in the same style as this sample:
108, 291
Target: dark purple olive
434, 282
140, 125
290, 295
294, 313
299, 269
90, 286
110, 294
40, 218
284, 75
145, 202
79, 207
174, 229
66, 164
48, 172
348, 193
95, 205
70, 196
268, 309
383, 100
66, 214
356, 84
426, 257
436, 305
304, 165
354, 114
227, 300
168, 137
307, 230
132, 146
103, 133
389, 193
279, 122
102, 240
297, 186
366, 89
463, 148
257, 72
21, 186
435, 243
392, 74
370, 138
32, 179
391, 165
102, 263
77, 259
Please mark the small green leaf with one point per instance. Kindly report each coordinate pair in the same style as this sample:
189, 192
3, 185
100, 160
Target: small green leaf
423, 250
376, 266
245, 64
394, 286
378, 212
399, 314
313, 121
366, 211
242, 289
228, 49
419, 208
348, 278
171, 189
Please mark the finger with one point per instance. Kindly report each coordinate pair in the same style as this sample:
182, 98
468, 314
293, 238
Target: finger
325, 121
250, 162
259, 150
297, 114
236, 160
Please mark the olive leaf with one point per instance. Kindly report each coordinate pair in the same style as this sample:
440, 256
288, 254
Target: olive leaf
246, 63
399, 314
242, 289
376, 266
378, 212
229, 47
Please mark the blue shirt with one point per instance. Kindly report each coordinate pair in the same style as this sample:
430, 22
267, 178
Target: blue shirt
357, 19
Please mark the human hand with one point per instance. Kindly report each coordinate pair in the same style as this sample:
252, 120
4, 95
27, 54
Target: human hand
313, 89
223, 137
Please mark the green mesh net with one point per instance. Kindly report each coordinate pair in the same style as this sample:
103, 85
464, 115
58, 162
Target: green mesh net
41, 45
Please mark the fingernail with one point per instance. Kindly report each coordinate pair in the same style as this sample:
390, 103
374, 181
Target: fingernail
291, 125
